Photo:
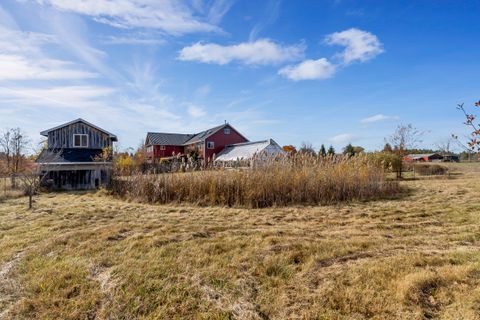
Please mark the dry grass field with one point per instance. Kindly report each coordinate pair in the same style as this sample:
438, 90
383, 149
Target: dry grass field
91, 256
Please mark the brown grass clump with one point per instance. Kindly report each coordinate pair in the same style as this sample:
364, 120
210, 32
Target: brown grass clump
301, 180
430, 169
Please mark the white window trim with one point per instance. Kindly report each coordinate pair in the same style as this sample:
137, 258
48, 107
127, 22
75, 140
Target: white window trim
226, 130
80, 146
162, 147
212, 145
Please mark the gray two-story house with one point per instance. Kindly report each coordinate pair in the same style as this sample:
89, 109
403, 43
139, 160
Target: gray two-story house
77, 156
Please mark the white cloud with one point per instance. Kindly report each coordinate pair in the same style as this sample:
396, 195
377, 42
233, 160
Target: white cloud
171, 16
134, 40
309, 70
22, 56
195, 111
59, 96
379, 118
343, 138
359, 45
260, 52
17, 67
202, 91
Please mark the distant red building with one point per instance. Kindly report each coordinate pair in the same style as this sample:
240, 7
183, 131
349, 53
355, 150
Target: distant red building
429, 157
206, 143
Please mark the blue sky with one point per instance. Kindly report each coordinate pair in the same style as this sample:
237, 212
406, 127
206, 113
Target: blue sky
329, 72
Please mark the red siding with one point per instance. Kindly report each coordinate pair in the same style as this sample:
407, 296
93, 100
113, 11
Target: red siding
221, 139
158, 154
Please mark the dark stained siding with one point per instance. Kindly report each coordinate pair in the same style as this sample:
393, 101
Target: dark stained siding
63, 137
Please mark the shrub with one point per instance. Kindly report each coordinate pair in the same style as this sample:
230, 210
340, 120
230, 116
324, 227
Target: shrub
300, 179
391, 162
427, 169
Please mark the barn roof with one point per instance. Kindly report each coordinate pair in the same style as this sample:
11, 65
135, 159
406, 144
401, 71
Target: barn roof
178, 139
205, 134
422, 155
167, 139
246, 150
111, 135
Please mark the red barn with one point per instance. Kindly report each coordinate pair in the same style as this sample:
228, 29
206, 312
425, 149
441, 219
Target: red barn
427, 157
206, 143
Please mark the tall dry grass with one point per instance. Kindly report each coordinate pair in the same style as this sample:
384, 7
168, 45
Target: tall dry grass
298, 180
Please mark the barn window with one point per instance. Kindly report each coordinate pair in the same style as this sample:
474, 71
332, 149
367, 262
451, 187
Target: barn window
162, 147
80, 140
226, 131
210, 145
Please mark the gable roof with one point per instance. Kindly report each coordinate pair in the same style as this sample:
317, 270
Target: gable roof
422, 155
179, 139
111, 135
168, 139
209, 132
246, 150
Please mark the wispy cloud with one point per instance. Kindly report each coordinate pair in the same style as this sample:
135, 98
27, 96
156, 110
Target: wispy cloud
133, 40
195, 111
272, 13
56, 96
379, 118
260, 52
18, 67
309, 70
22, 56
203, 91
171, 16
343, 138
359, 45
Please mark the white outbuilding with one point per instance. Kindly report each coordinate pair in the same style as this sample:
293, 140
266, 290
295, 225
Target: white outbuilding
249, 151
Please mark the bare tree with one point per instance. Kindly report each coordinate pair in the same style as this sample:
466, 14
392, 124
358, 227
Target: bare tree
473, 141
31, 183
5, 144
307, 148
19, 144
404, 138
444, 146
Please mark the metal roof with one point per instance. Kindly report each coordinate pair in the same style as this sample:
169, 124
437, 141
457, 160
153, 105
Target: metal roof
205, 134
246, 150
45, 132
167, 139
179, 139
422, 155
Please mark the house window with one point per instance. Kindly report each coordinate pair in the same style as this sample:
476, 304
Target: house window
226, 131
150, 149
162, 147
80, 140
210, 145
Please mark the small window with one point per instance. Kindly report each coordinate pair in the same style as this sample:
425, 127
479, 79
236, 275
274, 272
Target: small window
162, 147
226, 131
80, 140
210, 145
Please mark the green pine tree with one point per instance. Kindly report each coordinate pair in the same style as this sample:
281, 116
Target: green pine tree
323, 151
349, 150
331, 151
